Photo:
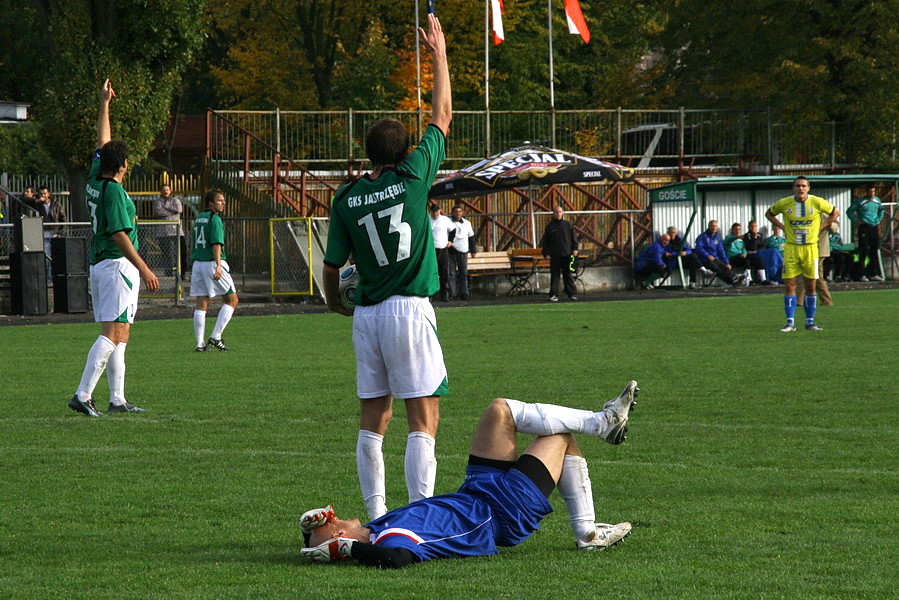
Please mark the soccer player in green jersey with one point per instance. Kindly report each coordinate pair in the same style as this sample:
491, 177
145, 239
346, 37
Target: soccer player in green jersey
802, 222
382, 220
115, 268
211, 275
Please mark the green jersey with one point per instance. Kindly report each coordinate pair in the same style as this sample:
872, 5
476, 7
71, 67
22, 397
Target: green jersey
384, 224
209, 229
111, 210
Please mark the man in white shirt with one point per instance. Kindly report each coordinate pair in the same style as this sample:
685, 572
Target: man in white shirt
443, 231
462, 244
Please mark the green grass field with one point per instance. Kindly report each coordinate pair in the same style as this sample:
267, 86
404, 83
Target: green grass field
758, 464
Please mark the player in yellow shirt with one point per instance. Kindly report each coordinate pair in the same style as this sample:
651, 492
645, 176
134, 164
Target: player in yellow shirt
803, 219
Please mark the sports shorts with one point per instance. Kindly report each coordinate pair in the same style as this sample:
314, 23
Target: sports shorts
516, 502
800, 259
114, 288
202, 283
397, 350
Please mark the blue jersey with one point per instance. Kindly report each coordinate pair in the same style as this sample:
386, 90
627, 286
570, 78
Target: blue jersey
492, 508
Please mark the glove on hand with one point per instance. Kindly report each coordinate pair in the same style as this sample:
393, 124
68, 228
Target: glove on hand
315, 518
331, 550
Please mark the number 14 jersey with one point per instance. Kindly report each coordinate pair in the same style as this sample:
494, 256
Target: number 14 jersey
384, 225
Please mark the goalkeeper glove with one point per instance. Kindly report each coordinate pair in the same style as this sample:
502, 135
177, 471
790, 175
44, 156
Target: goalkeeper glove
315, 518
333, 549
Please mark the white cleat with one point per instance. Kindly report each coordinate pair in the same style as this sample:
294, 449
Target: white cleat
616, 413
605, 535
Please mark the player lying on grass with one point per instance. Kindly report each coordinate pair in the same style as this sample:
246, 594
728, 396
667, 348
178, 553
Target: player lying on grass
503, 498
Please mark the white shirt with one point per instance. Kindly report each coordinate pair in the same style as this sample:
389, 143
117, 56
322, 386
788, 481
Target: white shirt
463, 233
440, 228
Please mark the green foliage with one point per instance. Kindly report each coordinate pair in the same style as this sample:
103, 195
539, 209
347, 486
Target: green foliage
22, 150
758, 465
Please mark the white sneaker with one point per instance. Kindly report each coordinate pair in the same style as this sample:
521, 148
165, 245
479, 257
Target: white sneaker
876, 278
863, 278
616, 413
605, 535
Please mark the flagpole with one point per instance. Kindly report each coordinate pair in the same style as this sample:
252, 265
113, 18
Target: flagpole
552, 91
417, 70
487, 151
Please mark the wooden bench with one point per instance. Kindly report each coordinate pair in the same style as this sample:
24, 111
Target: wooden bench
490, 263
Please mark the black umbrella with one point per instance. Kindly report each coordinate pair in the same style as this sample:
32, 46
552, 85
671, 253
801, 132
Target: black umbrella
525, 166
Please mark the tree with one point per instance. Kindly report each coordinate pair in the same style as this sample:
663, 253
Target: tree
68, 48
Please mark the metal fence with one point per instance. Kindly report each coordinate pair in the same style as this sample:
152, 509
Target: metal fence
647, 139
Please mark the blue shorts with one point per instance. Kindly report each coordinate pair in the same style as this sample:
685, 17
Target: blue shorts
517, 503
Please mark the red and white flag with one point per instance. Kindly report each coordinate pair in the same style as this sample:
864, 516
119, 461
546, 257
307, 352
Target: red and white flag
496, 9
576, 22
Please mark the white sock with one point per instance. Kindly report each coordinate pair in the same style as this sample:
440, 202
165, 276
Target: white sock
200, 327
370, 465
421, 465
577, 491
115, 373
96, 363
221, 322
760, 273
549, 419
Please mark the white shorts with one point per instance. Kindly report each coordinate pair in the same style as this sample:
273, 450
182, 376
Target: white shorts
114, 286
397, 350
202, 283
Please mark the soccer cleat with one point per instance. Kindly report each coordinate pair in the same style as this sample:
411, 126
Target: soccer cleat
553, 298
217, 344
124, 408
605, 535
203, 348
84, 407
788, 328
813, 327
616, 413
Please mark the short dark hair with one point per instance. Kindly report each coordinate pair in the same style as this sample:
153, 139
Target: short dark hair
209, 197
386, 143
112, 156
434, 207
800, 177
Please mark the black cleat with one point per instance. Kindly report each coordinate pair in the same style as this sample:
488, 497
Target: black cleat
217, 344
124, 408
84, 407
203, 348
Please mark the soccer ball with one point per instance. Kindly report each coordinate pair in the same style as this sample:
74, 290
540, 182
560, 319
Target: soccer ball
346, 288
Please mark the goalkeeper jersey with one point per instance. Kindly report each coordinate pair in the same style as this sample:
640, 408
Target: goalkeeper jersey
802, 219
384, 224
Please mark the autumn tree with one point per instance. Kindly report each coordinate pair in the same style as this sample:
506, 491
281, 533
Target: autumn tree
64, 51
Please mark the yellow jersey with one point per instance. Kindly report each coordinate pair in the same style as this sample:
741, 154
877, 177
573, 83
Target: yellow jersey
802, 220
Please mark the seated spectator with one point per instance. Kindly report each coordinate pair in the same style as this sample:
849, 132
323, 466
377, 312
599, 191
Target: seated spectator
651, 263
735, 248
710, 249
776, 240
754, 242
835, 265
680, 247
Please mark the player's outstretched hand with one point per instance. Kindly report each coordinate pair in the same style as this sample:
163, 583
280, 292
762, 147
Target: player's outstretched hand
106, 92
333, 549
315, 518
433, 39
150, 280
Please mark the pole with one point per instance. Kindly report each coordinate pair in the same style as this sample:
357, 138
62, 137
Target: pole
487, 151
417, 68
552, 91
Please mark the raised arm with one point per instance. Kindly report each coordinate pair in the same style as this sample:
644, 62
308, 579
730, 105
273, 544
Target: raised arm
441, 97
104, 132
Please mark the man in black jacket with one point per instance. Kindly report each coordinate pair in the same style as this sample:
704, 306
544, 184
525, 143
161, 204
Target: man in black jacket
559, 245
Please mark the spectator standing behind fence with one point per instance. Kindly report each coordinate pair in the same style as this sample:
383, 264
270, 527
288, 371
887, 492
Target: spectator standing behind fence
559, 245
802, 224
866, 214
463, 244
167, 207
754, 242
835, 266
52, 211
115, 267
382, 220
211, 275
710, 248
30, 201
678, 247
443, 232
651, 263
